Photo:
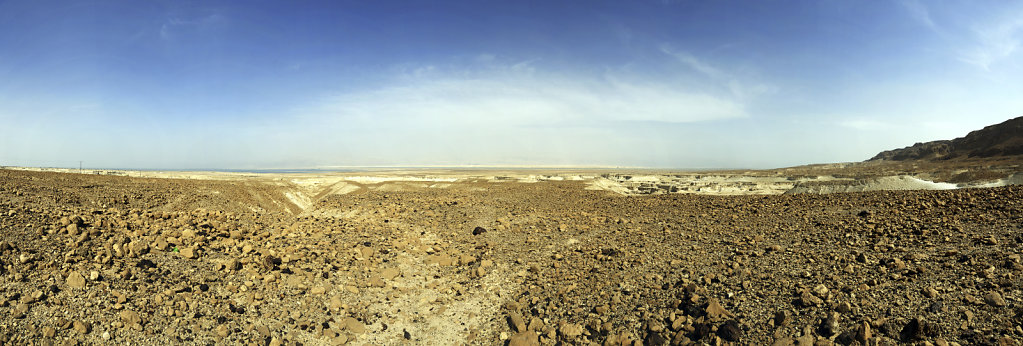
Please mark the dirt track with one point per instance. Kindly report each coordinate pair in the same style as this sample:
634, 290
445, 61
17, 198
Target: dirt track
96, 259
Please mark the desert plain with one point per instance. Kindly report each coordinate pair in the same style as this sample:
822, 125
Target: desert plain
863, 253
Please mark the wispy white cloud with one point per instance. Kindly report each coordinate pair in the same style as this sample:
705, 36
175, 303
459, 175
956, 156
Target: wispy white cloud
981, 37
502, 114
694, 63
919, 12
526, 99
866, 124
173, 25
739, 87
994, 42
503, 117
165, 31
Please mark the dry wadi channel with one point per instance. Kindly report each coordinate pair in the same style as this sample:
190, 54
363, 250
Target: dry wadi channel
519, 258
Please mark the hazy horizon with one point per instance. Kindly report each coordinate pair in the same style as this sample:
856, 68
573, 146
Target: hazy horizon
384, 168
648, 84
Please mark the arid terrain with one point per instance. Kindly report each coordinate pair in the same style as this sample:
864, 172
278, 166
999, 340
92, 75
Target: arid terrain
478, 258
879, 252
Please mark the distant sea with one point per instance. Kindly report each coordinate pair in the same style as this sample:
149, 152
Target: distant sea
281, 170
388, 168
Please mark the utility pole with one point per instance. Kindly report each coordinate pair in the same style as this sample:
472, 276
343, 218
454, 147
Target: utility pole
79, 167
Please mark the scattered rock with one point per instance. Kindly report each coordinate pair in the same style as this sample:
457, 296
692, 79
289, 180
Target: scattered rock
844, 307
570, 330
715, 311
782, 318
440, 259
187, 252
145, 264
82, 327
20, 310
831, 325
389, 273
517, 322
973, 300
730, 331
821, 291
968, 317
862, 258
936, 307
75, 280
223, 331
655, 339
129, 317
916, 329
807, 299
33, 297
994, 299
863, 333
354, 326
784, 342
335, 303
897, 264
527, 338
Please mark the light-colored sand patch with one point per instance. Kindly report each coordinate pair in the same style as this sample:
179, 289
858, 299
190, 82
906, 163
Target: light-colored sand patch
342, 188
352, 214
645, 178
383, 179
433, 307
528, 179
1014, 179
902, 182
716, 184
930, 185
299, 199
607, 185
399, 186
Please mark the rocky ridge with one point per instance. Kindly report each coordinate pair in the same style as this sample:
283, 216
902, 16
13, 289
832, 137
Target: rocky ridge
1004, 139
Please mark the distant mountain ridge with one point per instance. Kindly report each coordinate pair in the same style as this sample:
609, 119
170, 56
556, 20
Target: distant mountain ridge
1003, 139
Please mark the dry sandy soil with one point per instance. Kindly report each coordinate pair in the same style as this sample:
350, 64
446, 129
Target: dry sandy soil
518, 257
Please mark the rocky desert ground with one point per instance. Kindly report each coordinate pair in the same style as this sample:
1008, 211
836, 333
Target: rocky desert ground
517, 257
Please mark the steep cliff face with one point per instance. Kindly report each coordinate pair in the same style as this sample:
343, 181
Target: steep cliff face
1003, 139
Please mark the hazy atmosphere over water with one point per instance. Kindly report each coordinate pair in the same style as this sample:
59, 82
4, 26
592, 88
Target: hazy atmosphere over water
210, 84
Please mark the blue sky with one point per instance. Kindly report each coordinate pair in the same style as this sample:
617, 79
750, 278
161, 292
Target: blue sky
679, 84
